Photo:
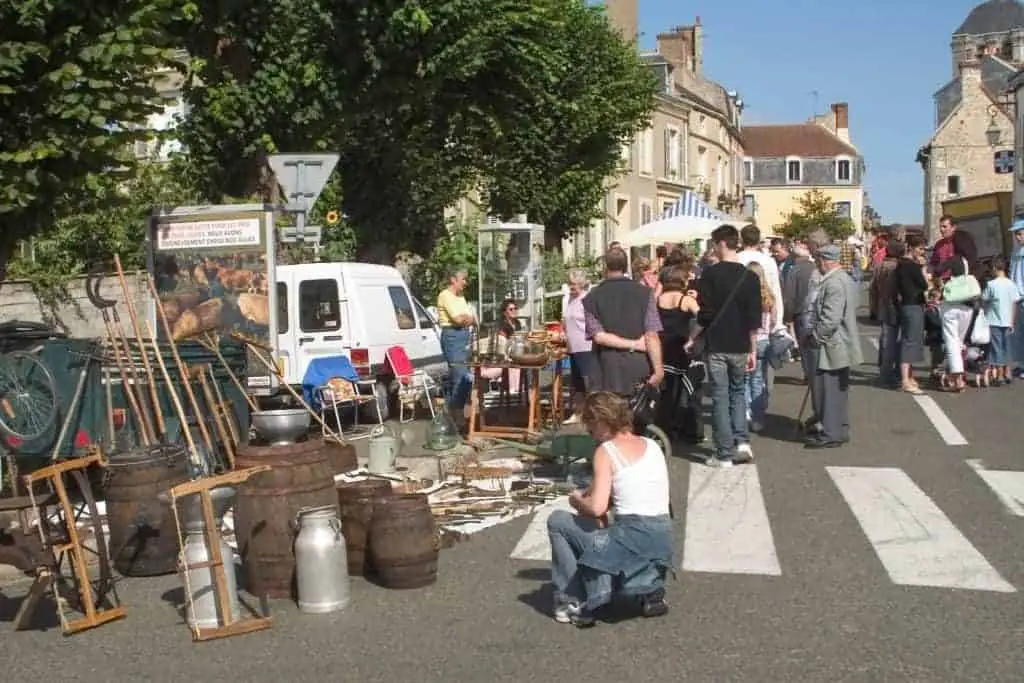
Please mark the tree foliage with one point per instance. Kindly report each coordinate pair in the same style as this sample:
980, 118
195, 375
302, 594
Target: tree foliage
816, 211
75, 89
424, 100
553, 164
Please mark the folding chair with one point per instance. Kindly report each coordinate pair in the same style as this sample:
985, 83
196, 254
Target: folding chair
413, 384
343, 390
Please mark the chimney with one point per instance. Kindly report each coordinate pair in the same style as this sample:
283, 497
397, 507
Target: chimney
841, 117
625, 16
970, 78
697, 45
681, 48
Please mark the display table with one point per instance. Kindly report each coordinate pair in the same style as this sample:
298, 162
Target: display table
477, 421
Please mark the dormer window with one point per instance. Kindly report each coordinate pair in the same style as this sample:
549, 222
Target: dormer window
844, 170
794, 170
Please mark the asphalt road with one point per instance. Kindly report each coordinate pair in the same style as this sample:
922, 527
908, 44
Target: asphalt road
869, 588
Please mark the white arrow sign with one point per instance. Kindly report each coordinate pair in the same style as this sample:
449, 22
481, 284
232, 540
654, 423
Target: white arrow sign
1006, 484
302, 177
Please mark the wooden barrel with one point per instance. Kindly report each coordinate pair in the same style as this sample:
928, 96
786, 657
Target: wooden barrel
403, 542
356, 500
267, 505
143, 540
341, 455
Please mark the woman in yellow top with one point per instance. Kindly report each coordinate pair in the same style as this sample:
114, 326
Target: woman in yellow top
456, 319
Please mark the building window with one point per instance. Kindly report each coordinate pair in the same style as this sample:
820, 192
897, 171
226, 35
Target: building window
646, 211
844, 170
673, 154
627, 156
843, 209
749, 206
702, 164
794, 170
953, 184
748, 170
646, 152
666, 208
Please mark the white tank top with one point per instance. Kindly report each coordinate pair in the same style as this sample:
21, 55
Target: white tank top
641, 487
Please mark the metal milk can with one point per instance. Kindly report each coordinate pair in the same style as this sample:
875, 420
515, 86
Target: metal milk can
203, 611
321, 565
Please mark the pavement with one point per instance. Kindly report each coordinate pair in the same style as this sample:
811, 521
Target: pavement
895, 558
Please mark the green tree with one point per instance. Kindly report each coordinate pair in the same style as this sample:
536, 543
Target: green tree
75, 89
816, 211
111, 220
554, 160
456, 247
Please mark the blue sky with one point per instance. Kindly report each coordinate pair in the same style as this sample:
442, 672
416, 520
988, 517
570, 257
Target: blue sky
885, 57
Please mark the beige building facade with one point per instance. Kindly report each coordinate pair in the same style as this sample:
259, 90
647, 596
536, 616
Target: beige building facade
693, 141
971, 149
784, 162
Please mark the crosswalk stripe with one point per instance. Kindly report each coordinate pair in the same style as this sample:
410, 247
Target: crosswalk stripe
534, 543
1008, 486
727, 527
915, 542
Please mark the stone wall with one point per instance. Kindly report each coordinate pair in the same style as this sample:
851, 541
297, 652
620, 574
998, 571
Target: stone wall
961, 148
73, 314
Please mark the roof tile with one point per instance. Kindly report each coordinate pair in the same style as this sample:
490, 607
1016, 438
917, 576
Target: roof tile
800, 140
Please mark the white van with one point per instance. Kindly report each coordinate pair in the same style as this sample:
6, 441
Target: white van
352, 309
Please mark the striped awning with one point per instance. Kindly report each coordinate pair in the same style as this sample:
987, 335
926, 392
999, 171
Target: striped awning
692, 206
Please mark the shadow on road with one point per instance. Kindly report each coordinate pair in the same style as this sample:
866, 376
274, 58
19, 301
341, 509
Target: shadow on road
43, 618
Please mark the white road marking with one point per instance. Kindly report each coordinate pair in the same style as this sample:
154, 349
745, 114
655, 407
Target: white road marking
727, 528
916, 543
943, 425
534, 544
1006, 484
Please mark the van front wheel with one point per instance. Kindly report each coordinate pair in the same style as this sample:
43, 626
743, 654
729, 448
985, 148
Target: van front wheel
382, 392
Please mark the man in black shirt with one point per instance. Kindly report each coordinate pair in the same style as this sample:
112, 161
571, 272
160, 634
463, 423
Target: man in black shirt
730, 315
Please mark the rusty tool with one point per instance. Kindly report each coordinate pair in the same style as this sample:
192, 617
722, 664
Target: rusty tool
129, 388
154, 396
182, 370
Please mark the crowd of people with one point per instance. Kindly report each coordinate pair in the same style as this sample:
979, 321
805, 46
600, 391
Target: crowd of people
721, 325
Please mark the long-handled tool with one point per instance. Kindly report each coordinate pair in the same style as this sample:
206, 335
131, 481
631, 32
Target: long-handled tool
182, 370
193, 452
129, 388
208, 342
154, 396
211, 402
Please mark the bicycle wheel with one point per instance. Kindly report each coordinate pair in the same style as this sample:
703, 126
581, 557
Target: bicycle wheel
658, 435
28, 396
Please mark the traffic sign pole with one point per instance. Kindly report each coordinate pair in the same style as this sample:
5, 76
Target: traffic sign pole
302, 178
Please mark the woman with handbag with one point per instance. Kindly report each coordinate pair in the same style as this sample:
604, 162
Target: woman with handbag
959, 294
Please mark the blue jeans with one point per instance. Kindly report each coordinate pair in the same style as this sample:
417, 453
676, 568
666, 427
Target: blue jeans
455, 349
570, 537
727, 374
757, 391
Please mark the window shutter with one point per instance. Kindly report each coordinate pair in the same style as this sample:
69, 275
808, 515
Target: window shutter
668, 154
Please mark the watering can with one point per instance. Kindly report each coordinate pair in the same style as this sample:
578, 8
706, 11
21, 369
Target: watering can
384, 450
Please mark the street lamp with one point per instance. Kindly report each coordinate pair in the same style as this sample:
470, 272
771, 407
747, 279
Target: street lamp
994, 134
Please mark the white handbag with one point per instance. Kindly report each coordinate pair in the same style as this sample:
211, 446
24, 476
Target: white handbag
981, 333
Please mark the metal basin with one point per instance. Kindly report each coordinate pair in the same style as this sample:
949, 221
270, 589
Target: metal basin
281, 427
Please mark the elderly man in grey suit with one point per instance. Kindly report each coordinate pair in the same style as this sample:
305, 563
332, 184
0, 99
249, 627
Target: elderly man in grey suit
835, 336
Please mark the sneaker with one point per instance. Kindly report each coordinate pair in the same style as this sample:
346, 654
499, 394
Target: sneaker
714, 461
744, 454
583, 619
653, 604
565, 611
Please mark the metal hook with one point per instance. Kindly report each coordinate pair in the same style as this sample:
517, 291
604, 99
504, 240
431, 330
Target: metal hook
92, 290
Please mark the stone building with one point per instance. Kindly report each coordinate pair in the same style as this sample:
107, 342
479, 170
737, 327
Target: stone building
785, 162
970, 151
692, 143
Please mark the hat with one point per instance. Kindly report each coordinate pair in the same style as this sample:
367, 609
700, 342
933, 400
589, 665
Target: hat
829, 252
1018, 224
